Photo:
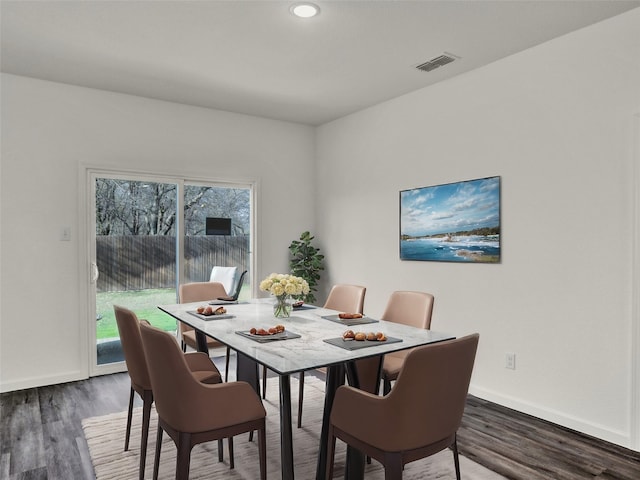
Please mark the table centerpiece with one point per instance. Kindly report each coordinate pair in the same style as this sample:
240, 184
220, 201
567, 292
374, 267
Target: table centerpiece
284, 287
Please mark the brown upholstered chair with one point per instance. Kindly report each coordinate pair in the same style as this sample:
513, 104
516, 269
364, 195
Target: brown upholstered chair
192, 412
200, 292
408, 308
419, 417
345, 298
199, 365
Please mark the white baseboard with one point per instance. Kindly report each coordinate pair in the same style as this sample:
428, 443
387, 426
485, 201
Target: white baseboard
622, 438
34, 382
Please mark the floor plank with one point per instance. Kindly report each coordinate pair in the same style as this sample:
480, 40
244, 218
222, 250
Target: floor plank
41, 437
519, 446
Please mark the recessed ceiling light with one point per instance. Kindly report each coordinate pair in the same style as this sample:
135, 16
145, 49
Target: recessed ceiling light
304, 10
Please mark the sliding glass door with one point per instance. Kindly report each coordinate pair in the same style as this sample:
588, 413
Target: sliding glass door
148, 236
217, 231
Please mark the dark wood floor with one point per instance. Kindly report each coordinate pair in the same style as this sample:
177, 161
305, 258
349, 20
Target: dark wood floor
522, 447
41, 437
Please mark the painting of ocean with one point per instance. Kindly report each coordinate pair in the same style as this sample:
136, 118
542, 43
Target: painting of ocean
456, 222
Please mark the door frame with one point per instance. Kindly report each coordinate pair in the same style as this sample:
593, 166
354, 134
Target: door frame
87, 251
634, 413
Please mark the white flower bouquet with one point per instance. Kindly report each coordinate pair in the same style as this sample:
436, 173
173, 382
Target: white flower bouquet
284, 287
279, 284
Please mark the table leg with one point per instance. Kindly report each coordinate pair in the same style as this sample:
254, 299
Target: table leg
247, 371
335, 378
201, 340
286, 430
352, 374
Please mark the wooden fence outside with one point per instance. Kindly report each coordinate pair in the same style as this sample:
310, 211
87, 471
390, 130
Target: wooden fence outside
143, 262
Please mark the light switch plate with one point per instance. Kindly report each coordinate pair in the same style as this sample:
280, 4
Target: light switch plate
65, 234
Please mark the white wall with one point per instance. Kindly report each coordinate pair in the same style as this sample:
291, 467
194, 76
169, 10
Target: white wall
49, 131
556, 123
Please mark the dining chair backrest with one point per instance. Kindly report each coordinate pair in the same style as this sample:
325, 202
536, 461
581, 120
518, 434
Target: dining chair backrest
433, 386
238, 287
192, 412
174, 387
200, 291
228, 276
350, 298
181, 400
410, 308
129, 329
346, 298
425, 406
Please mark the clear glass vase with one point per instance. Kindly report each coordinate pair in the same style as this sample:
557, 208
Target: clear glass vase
282, 306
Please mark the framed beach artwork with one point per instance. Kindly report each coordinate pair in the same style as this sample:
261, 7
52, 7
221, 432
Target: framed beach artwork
454, 222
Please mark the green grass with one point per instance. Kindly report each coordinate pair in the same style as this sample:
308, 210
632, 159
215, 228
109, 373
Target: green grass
145, 305
143, 302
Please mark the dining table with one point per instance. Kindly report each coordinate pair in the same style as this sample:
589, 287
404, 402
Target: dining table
312, 339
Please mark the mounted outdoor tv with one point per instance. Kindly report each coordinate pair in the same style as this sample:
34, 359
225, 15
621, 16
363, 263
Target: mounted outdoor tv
453, 222
218, 226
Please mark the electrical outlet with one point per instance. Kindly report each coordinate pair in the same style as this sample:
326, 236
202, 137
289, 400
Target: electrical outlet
510, 361
65, 234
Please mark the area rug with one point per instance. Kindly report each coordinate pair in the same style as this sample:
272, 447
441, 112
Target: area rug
105, 438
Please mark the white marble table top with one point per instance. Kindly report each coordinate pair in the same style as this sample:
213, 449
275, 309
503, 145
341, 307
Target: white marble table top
298, 354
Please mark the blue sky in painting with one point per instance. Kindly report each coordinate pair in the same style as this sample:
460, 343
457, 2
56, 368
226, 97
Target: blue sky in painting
449, 208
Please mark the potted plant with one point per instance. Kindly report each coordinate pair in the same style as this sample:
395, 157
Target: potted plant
306, 261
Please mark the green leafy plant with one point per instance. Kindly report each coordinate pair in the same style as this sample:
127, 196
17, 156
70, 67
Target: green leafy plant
306, 261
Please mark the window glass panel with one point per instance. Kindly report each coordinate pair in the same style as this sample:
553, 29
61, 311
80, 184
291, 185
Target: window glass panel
135, 255
217, 232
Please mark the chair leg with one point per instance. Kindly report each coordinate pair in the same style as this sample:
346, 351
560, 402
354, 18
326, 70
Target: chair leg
129, 415
147, 400
220, 450
456, 460
232, 464
262, 449
226, 368
184, 456
264, 382
393, 467
331, 452
300, 398
183, 345
156, 460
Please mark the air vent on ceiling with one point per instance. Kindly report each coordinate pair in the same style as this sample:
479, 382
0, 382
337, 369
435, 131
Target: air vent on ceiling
436, 62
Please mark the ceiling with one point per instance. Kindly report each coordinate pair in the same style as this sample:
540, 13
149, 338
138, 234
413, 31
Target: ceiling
254, 57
